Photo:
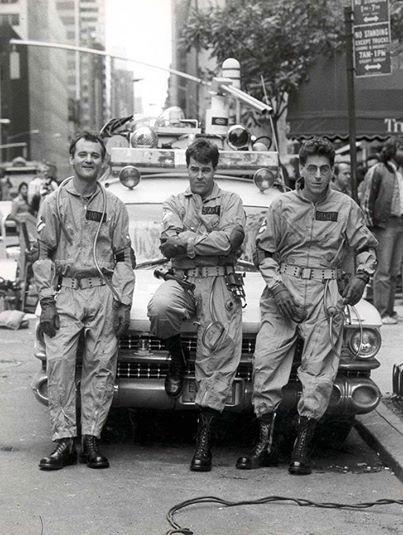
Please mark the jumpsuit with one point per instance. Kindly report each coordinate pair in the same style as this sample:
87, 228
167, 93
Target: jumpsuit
67, 226
206, 225
302, 245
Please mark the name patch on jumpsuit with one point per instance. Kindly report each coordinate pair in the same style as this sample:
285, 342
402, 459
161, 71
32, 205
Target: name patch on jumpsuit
326, 216
94, 216
211, 210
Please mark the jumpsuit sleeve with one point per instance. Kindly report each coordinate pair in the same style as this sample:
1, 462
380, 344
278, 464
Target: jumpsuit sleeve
48, 237
266, 248
123, 278
361, 240
219, 242
172, 223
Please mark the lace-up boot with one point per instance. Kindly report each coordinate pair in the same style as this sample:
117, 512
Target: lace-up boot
90, 453
176, 373
64, 454
300, 458
201, 461
264, 452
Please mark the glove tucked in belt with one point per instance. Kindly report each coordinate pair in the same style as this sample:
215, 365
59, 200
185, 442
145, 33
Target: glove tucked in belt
121, 318
49, 320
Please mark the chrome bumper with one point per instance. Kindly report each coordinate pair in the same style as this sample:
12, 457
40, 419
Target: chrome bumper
350, 395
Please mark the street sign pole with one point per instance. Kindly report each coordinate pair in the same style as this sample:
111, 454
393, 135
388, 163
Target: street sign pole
348, 22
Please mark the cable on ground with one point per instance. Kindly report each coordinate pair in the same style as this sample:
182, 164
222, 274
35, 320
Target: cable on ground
177, 529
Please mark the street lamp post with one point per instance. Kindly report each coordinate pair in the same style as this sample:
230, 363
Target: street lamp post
2, 121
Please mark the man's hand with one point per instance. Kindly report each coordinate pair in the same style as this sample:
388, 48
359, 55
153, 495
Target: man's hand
121, 318
355, 288
285, 301
173, 246
236, 238
49, 320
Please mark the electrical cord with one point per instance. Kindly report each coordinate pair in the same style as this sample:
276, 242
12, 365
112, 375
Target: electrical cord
177, 529
94, 248
68, 237
213, 325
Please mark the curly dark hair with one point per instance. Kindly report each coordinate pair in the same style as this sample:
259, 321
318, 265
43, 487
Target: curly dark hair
89, 136
317, 146
203, 151
389, 149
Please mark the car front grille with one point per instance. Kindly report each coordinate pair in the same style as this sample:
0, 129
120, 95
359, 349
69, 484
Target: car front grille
140, 342
140, 370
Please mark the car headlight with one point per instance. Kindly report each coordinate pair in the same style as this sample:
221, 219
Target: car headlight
365, 346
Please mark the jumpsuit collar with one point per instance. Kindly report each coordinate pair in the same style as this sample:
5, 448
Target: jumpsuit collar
216, 192
325, 198
71, 189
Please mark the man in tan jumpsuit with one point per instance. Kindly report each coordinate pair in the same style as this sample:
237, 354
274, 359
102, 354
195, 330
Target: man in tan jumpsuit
95, 284
299, 254
203, 229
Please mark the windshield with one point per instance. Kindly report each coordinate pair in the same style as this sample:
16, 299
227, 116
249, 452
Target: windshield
145, 229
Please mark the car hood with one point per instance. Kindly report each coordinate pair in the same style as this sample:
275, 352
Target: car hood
147, 284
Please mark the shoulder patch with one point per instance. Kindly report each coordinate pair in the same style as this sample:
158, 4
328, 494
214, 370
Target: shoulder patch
326, 216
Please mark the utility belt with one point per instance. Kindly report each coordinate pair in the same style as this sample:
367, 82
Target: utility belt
204, 271
82, 283
311, 273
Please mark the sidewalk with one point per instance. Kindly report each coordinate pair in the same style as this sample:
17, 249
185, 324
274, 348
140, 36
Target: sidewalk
382, 429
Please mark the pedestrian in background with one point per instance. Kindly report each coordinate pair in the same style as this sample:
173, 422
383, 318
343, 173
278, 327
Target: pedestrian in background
85, 284
341, 180
383, 205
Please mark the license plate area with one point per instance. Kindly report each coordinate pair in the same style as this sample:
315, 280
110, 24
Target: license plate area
189, 393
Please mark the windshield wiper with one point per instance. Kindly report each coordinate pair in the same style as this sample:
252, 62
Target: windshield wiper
152, 262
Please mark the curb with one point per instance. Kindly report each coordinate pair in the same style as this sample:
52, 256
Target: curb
383, 432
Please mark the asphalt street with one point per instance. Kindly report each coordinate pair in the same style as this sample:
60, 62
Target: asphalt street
147, 477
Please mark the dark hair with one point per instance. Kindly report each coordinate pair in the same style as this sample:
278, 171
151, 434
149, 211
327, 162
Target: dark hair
34, 204
88, 136
337, 167
21, 186
316, 146
389, 149
202, 151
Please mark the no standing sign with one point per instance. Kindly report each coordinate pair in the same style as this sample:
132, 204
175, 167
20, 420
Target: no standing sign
371, 37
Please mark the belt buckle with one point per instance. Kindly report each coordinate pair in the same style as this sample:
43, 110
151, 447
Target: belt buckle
306, 273
76, 284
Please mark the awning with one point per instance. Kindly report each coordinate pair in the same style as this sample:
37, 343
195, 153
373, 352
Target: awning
319, 107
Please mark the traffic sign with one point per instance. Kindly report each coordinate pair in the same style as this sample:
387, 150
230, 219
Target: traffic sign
371, 37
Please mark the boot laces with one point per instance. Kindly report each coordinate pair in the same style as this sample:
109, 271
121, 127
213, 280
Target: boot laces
203, 436
265, 439
62, 446
91, 445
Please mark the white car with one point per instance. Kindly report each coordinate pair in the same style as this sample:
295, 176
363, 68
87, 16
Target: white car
143, 359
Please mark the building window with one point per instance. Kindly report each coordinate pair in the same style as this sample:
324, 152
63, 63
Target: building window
65, 5
10, 18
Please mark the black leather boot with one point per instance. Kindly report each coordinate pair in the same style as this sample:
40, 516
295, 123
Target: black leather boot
90, 453
300, 458
264, 453
201, 461
64, 454
177, 367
